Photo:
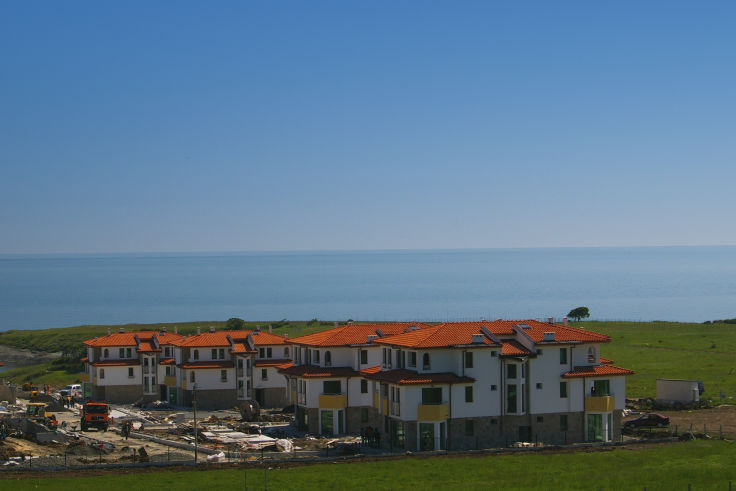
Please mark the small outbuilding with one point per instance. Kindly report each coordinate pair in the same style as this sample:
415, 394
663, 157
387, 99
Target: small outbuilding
672, 391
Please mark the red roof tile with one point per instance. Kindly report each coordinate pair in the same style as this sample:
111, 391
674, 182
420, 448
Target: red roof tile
598, 371
370, 370
353, 334
271, 363
84, 360
407, 377
439, 336
115, 363
128, 338
207, 364
605, 361
220, 338
147, 347
513, 348
265, 338
167, 361
310, 371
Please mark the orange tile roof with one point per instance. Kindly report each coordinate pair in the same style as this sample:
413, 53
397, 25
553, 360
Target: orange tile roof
84, 360
241, 348
128, 338
147, 346
272, 363
353, 334
115, 363
439, 336
513, 348
370, 370
207, 364
598, 371
408, 377
220, 338
310, 371
167, 361
605, 361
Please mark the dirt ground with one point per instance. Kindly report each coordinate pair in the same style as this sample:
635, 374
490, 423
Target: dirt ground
708, 419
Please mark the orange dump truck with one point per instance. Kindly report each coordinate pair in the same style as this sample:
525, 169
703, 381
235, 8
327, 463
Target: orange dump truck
95, 415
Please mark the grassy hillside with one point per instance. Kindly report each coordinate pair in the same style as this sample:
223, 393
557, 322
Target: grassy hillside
704, 464
673, 350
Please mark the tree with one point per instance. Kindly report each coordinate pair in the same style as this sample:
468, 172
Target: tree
235, 323
579, 313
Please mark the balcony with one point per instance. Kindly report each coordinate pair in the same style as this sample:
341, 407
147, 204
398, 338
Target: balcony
600, 404
384, 406
84, 377
170, 381
375, 400
333, 401
239, 372
433, 412
146, 370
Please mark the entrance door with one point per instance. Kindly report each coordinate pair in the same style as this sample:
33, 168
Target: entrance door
595, 427
260, 397
426, 436
341, 422
328, 427
525, 434
172, 395
163, 392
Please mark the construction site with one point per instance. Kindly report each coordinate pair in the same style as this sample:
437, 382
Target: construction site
43, 427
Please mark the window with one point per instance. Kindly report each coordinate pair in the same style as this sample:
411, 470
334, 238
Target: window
168, 370
412, 358
601, 388
469, 430
591, 355
269, 352
214, 354
363, 357
102, 373
539, 385
563, 422
383, 353
563, 389
493, 353
425, 361
191, 376
196, 354
167, 352
107, 353
540, 419
286, 352
331, 387
563, 356
363, 414
494, 387
223, 375
261, 353
363, 386
328, 359
315, 356
539, 352
511, 371
511, 406
469, 393
264, 374
130, 372
468, 359
121, 353
222, 353
432, 395
128, 353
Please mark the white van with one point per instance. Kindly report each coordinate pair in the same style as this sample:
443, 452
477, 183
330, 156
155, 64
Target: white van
74, 390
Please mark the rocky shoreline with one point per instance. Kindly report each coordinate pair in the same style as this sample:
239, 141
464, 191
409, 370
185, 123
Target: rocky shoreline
23, 357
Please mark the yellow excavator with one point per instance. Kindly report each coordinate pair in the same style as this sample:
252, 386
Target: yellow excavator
38, 413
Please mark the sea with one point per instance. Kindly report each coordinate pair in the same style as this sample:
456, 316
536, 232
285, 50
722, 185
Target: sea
622, 283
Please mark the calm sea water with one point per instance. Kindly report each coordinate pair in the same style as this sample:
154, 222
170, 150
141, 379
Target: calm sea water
648, 283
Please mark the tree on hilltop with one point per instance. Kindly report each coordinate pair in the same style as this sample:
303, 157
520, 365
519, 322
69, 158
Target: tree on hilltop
235, 323
579, 313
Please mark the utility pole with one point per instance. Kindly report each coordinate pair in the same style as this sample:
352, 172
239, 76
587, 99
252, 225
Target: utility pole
194, 405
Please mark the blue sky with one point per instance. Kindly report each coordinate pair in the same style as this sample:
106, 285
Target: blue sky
191, 126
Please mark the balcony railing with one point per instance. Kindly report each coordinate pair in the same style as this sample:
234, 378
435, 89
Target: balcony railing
433, 412
332, 401
146, 369
600, 404
84, 377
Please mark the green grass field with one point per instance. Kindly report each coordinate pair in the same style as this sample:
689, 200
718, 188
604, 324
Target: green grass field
704, 464
673, 350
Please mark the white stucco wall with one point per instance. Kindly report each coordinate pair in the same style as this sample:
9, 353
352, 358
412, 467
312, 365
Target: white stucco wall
119, 375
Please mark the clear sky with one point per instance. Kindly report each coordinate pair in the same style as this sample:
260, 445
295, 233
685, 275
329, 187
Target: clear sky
205, 126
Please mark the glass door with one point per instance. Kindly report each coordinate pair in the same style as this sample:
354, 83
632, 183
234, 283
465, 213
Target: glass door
327, 423
426, 436
595, 427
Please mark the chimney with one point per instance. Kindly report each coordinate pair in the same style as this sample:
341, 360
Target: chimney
176, 329
350, 323
258, 328
270, 329
550, 320
109, 331
212, 328
335, 323
122, 329
478, 338
286, 335
371, 337
199, 331
564, 321
549, 336
163, 329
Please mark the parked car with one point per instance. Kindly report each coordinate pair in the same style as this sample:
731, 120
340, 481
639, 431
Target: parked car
648, 420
